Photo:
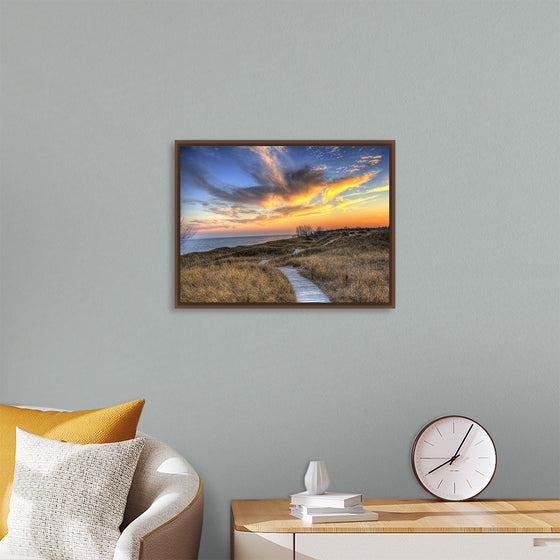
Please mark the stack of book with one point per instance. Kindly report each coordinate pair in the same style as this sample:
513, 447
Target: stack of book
330, 507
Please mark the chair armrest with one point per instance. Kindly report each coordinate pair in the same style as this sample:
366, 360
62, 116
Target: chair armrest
161, 532
163, 517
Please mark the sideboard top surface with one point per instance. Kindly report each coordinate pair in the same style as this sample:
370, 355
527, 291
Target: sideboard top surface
409, 516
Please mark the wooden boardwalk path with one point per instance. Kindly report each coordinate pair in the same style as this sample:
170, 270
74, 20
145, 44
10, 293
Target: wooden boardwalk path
306, 291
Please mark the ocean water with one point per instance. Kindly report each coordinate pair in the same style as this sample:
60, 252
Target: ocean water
198, 245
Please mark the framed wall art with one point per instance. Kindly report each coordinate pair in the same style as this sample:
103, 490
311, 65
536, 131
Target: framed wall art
285, 223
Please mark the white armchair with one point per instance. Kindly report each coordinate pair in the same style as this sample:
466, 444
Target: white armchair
163, 516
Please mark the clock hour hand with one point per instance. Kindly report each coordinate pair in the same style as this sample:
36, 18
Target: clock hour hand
443, 464
461, 445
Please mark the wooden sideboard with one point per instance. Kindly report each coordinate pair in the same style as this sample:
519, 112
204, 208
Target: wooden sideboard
406, 529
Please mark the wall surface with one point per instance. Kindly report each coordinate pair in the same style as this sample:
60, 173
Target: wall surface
93, 96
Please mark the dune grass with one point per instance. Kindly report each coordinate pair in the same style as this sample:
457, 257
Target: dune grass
235, 282
349, 268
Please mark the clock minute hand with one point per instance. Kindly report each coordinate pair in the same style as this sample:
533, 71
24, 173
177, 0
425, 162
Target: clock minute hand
443, 464
461, 445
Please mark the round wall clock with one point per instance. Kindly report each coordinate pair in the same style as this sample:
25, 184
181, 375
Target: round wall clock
454, 458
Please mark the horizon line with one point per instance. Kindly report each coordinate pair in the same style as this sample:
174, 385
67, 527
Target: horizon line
194, 237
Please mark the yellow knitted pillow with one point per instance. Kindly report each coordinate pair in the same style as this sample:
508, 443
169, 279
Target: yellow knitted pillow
104, 425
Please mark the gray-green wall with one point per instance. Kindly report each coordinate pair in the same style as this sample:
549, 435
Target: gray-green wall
93, 96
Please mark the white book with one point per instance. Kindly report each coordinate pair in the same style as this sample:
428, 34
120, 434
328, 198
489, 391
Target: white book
328, 499
312, 510
365, 515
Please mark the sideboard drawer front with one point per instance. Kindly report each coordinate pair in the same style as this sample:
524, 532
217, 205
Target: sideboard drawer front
261, 546
427, 546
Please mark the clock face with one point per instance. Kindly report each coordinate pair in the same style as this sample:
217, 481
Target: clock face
454, 458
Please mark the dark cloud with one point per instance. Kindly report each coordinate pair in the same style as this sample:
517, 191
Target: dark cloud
282, 183
303, 180
187, 200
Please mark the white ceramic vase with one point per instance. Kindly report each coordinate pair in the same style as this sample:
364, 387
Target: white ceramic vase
316, 478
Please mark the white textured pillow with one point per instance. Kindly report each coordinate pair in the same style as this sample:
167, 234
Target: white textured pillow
68, 499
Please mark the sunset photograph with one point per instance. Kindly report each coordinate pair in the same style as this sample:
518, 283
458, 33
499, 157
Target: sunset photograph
284, 223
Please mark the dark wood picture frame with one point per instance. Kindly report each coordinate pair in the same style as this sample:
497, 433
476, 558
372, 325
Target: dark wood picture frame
389, 303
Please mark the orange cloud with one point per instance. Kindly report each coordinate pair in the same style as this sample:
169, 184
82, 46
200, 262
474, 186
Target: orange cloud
370, 159
338, 186
306, 197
